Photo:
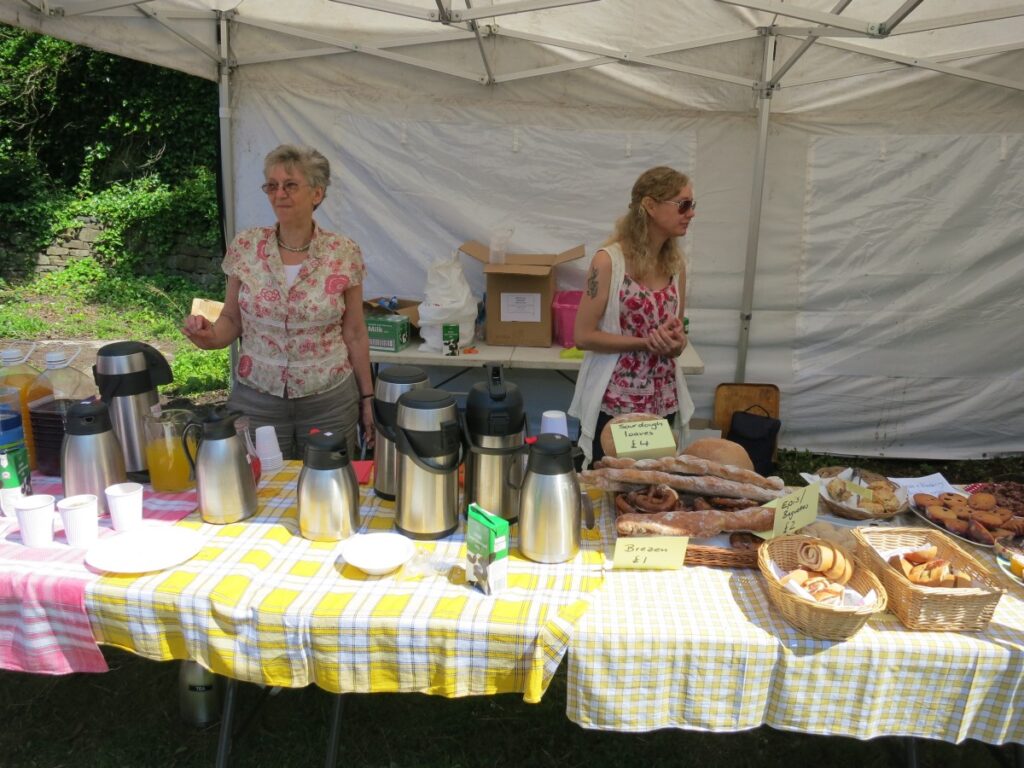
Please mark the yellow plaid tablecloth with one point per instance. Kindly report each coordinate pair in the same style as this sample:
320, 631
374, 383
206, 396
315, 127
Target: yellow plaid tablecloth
703, 648
259, 603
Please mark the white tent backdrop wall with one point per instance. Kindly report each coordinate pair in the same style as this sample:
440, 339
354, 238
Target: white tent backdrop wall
879, 265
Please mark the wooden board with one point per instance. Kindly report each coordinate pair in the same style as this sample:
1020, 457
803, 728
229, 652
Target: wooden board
730, 398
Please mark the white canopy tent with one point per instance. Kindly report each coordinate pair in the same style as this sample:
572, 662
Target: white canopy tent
859, 167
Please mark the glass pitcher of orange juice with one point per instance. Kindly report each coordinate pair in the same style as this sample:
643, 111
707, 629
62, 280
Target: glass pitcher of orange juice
168, 467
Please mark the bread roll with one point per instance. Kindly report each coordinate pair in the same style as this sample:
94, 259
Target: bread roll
722, 451
608, 442
922, 555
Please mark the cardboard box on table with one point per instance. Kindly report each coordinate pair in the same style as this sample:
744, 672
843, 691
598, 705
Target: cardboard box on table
519, 294
390, 330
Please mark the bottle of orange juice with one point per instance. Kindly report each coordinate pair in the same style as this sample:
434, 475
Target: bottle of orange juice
15, 371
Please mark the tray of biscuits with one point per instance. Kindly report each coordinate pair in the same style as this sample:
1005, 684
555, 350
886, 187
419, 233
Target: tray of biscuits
975, 518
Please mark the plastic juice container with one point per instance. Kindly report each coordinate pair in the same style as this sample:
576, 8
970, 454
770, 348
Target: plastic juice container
50, 395
16, 372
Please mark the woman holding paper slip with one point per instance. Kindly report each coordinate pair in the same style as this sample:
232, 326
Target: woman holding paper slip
295, 300
630, 317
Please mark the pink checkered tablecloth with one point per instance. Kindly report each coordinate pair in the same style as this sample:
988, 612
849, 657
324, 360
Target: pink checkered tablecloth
43, 624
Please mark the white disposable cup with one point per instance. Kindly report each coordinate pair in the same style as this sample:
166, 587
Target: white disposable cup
35, 519
124, 500
554, 422
81, 519
266, 442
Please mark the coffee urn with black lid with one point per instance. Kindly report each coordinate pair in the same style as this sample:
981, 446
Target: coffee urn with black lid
328, 492
127, 374
430, 450
495, 430
392, 383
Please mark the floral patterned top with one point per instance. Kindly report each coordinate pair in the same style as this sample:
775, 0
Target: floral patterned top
643, 381
291, 340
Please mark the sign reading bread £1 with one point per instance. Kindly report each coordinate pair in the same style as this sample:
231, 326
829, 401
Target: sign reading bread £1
643, 439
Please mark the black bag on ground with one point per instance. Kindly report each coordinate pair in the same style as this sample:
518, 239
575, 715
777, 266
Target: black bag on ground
757, 433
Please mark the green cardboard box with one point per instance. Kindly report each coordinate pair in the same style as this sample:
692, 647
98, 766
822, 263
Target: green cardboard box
389, 333
487, 543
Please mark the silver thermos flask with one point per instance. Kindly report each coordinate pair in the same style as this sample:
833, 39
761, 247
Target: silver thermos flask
430, 450
198, 694
328, 490
225, 485
495, 430
551, 504
392, 382
90, 456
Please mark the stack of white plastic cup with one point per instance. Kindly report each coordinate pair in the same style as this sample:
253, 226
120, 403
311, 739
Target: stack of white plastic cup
268, 449
554, 422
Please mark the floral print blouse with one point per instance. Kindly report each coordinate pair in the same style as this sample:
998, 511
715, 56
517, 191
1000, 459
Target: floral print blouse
291, 342
643, 381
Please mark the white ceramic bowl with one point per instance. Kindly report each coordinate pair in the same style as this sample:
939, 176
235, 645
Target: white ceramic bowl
377, 553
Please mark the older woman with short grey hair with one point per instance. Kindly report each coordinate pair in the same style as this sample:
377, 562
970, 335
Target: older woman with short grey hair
295, 302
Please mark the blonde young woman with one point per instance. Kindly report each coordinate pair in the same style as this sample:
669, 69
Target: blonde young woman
630, 317
295, 299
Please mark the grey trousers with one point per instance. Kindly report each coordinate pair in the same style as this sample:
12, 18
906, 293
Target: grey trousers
336, 410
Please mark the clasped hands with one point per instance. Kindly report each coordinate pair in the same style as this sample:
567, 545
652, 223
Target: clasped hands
667, 339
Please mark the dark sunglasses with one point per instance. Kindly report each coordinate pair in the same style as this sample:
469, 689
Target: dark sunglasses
684, 206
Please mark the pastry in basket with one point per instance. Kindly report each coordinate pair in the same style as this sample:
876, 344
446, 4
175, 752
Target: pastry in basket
924, 568
827, 559
819, 586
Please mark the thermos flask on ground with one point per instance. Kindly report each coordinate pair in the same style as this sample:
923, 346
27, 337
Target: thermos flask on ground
199, 700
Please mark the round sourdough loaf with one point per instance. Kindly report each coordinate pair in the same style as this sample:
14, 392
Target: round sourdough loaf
722, 451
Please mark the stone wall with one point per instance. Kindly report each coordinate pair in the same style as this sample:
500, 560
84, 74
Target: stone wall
77, 242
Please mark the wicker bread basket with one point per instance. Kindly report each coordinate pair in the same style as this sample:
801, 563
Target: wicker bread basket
721, 557
930, 608
826, 622
856, 513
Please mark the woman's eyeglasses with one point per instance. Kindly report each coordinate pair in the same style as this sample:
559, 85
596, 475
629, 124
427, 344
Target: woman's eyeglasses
684, 206
290, 187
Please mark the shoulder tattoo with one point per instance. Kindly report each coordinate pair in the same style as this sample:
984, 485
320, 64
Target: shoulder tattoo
592, 283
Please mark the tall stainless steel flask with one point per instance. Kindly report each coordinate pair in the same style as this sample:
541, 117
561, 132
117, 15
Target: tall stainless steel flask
430, 450
551, 503
225, 486
328, 490
198, 694
495, 429
90, 456
392, 383
127, 374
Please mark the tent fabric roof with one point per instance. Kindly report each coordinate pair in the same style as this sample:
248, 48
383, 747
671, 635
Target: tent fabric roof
875, 275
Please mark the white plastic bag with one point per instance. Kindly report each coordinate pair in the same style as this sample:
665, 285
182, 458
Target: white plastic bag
446, 299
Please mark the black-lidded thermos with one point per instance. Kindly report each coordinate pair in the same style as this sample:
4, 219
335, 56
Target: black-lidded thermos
496, 428
392, 382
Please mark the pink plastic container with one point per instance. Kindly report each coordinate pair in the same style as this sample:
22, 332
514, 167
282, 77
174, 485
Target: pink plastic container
563, 316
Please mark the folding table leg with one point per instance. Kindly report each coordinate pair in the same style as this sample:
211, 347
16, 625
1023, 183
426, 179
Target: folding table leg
911, 752
335, 734
227, 722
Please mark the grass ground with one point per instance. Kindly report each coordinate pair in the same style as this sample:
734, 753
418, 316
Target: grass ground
129, 717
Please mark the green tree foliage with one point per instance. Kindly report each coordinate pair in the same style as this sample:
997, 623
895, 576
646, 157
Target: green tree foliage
84, 133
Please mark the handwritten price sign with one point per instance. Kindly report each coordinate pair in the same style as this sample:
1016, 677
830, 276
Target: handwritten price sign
643, 439
651, 553
794, 511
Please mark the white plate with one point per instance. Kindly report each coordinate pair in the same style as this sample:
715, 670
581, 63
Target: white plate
149, 548
377, 553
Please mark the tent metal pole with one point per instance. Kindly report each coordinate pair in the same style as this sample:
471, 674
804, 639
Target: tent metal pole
764, 104
226, 144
